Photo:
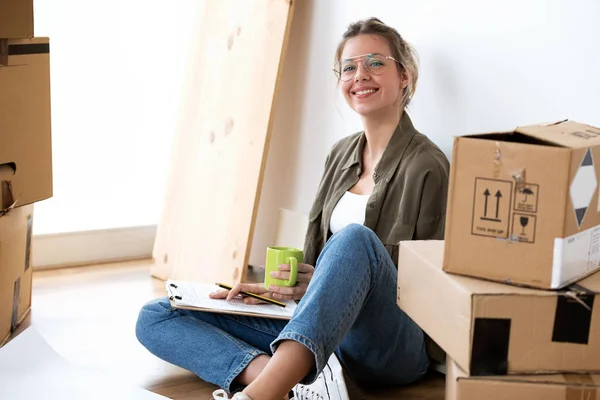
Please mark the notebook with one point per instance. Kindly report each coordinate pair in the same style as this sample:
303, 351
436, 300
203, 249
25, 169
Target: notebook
194, 296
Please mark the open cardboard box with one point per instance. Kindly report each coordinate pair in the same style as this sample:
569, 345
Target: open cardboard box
523, 206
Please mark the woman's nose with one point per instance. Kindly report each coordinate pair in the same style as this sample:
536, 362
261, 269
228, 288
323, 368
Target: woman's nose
361, 73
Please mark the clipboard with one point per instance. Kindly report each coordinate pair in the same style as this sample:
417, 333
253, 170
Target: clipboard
194, 296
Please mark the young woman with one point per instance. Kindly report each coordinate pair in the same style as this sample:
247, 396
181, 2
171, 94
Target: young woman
382, 185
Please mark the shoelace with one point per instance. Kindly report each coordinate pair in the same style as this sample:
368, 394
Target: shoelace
306, 393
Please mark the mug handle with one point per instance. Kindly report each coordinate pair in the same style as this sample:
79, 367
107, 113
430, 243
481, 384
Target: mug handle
293, 271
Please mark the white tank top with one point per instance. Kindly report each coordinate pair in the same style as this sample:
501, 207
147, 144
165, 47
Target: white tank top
349, 209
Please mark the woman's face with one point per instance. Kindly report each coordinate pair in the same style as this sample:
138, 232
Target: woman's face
374, 83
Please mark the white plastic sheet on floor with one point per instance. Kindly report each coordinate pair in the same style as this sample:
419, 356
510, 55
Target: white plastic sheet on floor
31, 369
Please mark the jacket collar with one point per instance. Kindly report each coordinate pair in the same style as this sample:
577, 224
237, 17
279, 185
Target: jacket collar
403, 135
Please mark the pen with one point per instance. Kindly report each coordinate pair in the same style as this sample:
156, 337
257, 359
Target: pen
256, 296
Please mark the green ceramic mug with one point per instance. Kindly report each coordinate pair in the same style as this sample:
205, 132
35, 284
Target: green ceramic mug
282, 255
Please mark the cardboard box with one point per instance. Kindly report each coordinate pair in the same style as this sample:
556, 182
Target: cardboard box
523, 206
493, 328
460, 386
25, 131
15, 268
16, 19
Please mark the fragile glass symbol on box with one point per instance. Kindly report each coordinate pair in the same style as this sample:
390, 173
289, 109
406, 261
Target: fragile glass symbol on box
524, 221
523, 228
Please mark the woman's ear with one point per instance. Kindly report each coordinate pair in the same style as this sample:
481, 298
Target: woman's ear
404, 79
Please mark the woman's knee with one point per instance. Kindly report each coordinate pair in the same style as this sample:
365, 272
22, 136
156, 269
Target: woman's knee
356, 234
355, 238
353, 247
151, 314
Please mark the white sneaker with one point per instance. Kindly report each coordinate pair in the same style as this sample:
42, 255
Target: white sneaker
330, 384
221, 394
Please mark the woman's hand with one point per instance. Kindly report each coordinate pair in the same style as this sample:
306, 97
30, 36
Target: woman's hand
305, 274
256, 288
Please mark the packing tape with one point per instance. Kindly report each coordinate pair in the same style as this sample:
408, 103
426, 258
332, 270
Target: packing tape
489, 354
573, 315
15, 305
581, 387
29, 49
3, 51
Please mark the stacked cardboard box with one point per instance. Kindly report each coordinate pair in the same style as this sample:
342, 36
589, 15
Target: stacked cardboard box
511, 294
25, 153
460, 386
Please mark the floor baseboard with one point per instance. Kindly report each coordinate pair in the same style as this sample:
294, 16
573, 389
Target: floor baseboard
92, 247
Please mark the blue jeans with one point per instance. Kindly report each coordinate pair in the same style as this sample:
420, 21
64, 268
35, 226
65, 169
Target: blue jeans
349, 308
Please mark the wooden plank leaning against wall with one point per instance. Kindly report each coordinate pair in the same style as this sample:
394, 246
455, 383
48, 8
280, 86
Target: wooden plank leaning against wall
222, 140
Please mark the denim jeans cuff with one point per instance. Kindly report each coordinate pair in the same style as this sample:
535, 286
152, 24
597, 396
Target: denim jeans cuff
229, 385
319, 359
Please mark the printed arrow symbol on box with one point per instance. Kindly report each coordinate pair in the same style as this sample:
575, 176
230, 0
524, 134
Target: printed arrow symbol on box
498, 196
486, 194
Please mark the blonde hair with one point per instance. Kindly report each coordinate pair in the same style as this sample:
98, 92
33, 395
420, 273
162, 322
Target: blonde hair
401, 50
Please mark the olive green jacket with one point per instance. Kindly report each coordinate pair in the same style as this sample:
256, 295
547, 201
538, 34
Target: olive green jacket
409, 198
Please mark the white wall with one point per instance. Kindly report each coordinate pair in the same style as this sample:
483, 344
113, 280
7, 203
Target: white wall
117, 70
116, 74
485, 66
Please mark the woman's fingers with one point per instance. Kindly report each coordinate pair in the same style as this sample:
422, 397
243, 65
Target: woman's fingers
220, 294
252, 300
275, 292
305, 272
288, 293
257, 288
302, 268
302, 278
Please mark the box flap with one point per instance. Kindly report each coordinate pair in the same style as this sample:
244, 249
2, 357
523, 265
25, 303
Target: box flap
564, 133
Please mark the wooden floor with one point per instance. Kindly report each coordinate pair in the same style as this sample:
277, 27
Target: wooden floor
88, 315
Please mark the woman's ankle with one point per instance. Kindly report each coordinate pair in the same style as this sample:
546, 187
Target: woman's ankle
290, 363
253, 370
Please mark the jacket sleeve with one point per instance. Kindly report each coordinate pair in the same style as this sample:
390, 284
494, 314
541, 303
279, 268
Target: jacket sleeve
432, 211
314, 236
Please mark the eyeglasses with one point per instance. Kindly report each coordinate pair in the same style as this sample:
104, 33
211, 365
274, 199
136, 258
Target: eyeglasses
373, 63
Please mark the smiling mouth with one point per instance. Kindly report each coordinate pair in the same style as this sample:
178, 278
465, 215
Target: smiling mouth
365, 91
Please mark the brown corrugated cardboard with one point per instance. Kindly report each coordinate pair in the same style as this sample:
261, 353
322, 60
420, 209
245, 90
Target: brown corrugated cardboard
493, 328
25, 132
16, 19
523, 206
460, 386
15, 268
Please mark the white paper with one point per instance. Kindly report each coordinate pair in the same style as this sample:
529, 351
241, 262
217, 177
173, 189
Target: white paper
575, 256
30, 369
196, 295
